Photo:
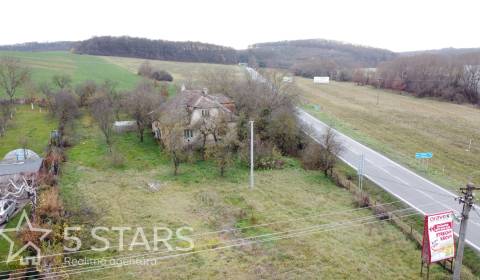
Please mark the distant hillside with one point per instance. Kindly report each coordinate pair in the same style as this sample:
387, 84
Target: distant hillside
40, 47
315, 56
445, 51
157, 49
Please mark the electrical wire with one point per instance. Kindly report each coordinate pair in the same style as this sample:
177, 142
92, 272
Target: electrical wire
285, 236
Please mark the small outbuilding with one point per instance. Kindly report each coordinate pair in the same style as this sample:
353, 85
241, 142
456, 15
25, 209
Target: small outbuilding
17, 163
124, 126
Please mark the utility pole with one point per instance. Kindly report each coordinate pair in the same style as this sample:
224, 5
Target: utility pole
467, 201
251, 154
360, 171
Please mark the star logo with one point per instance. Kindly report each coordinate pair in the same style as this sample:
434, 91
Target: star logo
12, 256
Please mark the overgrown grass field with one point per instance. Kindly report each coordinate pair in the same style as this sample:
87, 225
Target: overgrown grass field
208, 203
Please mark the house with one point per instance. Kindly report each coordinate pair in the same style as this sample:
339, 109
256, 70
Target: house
202, 112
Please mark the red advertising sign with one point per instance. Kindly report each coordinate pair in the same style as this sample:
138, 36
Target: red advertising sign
438, 237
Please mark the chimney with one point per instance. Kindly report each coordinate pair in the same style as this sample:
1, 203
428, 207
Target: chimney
205, 91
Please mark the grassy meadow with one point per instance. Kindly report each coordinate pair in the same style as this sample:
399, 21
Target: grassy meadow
181, 71
97, 192
401, 125
44, 65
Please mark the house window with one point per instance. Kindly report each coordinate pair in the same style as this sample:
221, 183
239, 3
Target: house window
188, 133
205, 112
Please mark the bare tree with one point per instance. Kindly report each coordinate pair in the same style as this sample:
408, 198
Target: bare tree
222, 152
174, 143
4, 116
12, 75
140, 103
62, 81
270, 102
48, 95
323, 155
86, 91
173, 123
212, 126
116, 98
103, 114
65, 109
219, 81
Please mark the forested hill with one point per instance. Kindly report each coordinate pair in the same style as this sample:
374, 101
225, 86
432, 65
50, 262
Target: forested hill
445, 51
37, 47
157, 49
315, 56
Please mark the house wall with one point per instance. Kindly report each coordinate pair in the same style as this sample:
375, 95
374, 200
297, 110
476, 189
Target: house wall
196, 117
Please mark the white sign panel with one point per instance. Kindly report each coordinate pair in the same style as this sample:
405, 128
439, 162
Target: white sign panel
441, 244
321, 80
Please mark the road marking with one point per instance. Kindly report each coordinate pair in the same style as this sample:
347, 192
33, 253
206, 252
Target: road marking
382, 156
371, 178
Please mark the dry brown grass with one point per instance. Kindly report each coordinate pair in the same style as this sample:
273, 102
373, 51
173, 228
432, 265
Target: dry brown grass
180, 71
401, 125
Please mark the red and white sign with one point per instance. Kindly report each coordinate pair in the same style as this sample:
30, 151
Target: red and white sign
438, 237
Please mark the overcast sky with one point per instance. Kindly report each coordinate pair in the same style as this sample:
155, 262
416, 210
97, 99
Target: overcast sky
401, 25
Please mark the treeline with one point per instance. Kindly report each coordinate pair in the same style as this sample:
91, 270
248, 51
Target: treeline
454, 78
315, 57
37, 47
157, 49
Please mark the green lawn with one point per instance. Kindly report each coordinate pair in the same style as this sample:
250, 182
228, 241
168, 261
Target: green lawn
44, 65
33, 125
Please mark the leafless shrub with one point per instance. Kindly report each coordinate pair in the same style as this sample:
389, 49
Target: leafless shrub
85, 92
62, 81
323, 155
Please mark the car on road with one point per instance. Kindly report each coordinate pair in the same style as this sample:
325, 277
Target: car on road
7, 209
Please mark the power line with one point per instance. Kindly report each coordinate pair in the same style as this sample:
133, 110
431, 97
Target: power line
269, 234
248, 227
265, 235
266, 224
299, 233
243, 239
254, 226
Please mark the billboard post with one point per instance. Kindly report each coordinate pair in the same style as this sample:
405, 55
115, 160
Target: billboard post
438, 239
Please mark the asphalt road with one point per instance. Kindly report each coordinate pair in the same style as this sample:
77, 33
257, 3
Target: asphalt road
421, 194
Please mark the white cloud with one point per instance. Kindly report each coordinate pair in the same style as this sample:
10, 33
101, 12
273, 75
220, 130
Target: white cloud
396, 25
